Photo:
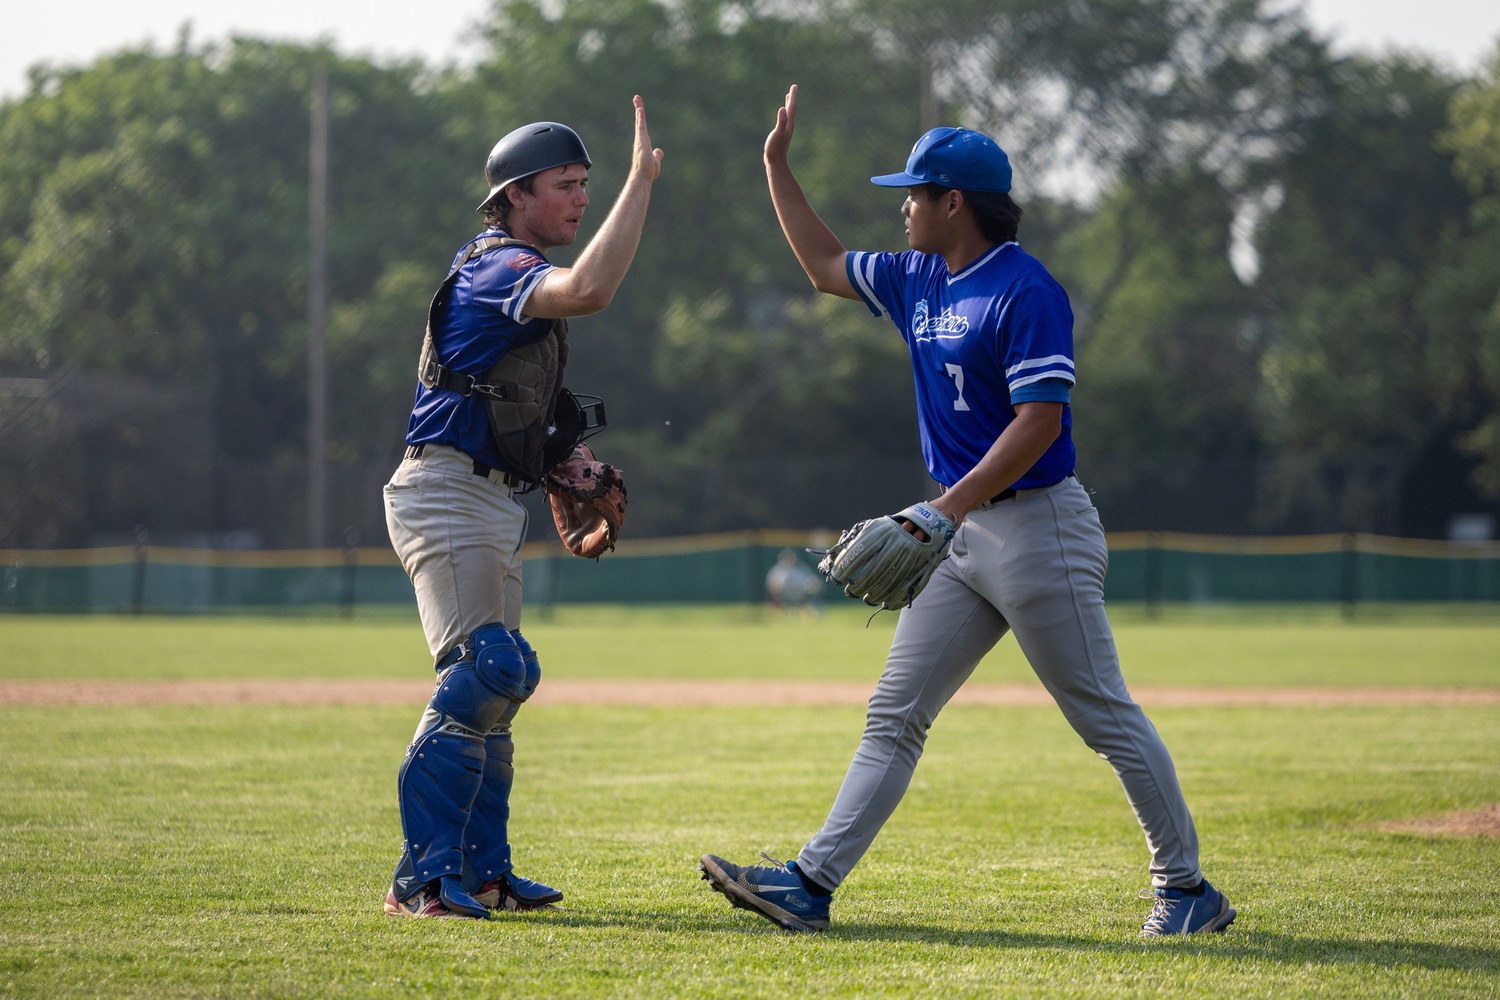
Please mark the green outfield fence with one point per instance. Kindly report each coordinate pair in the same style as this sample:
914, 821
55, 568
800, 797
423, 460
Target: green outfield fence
1152, 567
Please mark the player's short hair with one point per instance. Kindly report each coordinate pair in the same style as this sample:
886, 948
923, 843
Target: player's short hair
998, 215
497, 212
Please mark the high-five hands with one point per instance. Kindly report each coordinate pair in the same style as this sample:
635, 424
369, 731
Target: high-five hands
590, 284
780, 139
818, 251
645, 162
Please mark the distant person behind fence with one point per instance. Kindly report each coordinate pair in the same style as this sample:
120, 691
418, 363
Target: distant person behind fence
792, 583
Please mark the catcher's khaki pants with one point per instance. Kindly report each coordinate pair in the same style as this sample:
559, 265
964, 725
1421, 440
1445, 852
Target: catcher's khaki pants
459, 538
1035, 565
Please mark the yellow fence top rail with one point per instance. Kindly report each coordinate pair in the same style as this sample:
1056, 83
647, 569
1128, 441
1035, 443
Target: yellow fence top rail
1287, 545
168, 555
1120, 541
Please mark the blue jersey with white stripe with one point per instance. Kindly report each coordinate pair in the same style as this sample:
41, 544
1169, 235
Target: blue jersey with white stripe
976, 338
482, 318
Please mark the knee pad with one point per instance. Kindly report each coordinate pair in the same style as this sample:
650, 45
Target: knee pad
533, 666
476, 692
435, 788
533, 676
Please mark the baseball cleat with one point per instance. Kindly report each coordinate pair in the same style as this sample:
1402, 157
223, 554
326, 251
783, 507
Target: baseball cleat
424, 903
512, 892
774, 891
1176, 912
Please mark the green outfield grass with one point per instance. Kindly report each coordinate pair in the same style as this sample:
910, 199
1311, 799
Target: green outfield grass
1215, 645
172, 852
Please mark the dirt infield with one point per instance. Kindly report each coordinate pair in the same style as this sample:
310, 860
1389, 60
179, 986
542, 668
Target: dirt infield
1480, 823
681, 693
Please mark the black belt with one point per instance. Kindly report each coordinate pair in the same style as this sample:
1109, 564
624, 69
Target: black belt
1008, 494
414, 451
1002, 495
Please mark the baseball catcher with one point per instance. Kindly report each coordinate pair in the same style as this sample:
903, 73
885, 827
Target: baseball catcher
491, 418
1012, 544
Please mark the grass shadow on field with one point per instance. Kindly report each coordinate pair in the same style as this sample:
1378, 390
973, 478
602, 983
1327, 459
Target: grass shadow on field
1259, 945
1264, 946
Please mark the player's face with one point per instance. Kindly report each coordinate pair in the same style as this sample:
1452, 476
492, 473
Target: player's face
551, 214
925, 220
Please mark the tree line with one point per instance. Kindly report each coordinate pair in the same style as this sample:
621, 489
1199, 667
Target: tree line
1277, 256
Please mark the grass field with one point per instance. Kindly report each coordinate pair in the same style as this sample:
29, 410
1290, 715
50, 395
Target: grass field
176, 852
1445, 645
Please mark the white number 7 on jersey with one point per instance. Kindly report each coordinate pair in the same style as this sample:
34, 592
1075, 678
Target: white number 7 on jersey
958, 379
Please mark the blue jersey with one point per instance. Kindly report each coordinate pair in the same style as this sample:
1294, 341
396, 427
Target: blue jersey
483, 317
978, 339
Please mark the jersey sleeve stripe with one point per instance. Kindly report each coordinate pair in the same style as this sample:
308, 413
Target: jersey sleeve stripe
1055, 359
1066, 376
861, 271
515, 306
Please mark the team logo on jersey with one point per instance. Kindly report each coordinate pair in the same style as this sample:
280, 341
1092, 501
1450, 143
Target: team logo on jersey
947, 326
523, 261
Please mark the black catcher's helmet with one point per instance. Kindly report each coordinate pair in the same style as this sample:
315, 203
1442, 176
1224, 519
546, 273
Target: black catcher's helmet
529, 150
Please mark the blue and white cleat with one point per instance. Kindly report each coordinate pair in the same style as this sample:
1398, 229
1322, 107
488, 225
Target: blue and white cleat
1176, 912
512, 892
774, 891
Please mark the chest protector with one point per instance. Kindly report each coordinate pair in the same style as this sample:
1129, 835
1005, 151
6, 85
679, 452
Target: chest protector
521, 390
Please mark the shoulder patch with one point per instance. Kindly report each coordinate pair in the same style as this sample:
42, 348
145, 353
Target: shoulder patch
523, 261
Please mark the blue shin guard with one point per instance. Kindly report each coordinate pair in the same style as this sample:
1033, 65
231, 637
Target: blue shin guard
445, 766
435, 788
486, 839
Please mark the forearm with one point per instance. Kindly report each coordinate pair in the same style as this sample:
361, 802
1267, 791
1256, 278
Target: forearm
589, 285
818, 251
1014, 452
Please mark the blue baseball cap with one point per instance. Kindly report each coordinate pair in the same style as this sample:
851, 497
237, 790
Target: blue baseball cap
954, 157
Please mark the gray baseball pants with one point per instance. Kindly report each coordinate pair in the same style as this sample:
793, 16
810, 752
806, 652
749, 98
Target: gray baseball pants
459, 538
1033, 564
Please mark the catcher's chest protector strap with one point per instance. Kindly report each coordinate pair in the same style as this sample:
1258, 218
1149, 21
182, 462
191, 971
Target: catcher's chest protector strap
430, 369
521, 389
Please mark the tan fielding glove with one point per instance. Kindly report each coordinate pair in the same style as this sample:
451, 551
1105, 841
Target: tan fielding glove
588, 503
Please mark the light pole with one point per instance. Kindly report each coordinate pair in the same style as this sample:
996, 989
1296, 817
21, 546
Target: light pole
317, 317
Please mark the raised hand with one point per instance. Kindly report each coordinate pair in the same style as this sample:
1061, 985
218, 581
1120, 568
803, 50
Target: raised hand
780, 139
818, 251
646, 161
591, 282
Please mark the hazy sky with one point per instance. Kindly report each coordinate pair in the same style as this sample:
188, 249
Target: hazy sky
1462, 32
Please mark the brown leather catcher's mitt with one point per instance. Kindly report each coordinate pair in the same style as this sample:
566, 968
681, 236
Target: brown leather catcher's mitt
588, 503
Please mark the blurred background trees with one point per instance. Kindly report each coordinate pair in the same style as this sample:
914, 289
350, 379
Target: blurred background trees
1285, 265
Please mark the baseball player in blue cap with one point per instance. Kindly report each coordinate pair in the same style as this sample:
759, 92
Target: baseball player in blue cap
991, 340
